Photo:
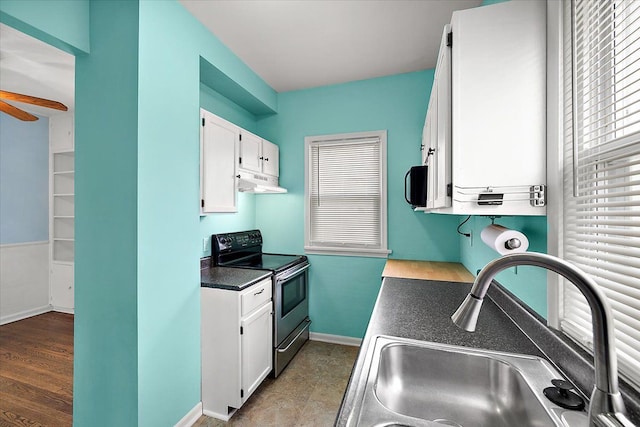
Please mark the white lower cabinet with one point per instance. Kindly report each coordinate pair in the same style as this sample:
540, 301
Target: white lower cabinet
237, 334
62, 287
256, 347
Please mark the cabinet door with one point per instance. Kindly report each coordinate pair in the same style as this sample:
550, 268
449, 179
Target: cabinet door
61, 132
256, 348
270, 158
250, 152
218, 142
441, 157
499, 104
430, 147
62, 287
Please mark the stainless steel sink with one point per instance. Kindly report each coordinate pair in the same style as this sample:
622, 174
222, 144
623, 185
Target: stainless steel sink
416, 383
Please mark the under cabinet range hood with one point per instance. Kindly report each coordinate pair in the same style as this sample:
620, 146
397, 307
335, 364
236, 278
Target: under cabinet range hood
252, 182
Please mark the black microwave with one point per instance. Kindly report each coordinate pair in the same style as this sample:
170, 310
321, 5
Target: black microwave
416, 178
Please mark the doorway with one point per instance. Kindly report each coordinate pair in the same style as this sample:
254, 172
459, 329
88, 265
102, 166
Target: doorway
37, 231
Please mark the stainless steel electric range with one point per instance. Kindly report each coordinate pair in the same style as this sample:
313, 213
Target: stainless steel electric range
290, 288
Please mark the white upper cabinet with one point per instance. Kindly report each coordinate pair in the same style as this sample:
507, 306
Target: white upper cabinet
270, 158
258, 155
489, 152
250, 152
218, 153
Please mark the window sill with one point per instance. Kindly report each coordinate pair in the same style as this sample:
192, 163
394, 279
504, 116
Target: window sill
373, 253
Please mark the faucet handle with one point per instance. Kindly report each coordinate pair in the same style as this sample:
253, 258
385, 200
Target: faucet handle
561, 395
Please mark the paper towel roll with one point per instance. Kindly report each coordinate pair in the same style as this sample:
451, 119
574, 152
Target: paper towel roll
504, 240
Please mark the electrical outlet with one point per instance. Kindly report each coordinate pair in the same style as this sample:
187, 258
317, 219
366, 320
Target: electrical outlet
205, 244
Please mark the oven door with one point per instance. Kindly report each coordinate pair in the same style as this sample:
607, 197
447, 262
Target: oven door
291, 301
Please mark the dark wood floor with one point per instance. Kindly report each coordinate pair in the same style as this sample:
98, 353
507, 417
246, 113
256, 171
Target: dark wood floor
36, 371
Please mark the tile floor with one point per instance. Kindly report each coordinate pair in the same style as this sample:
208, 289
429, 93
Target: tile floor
307, 393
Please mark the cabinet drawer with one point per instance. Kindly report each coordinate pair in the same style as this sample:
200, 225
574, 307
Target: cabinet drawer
255, 296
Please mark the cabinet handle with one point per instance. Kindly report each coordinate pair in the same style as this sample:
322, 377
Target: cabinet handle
421, 147
266, 159
261, 158
237, 176
258, 293
431, 151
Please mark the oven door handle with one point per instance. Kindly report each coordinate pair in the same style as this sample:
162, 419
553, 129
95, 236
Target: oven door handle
283, 350
290, 275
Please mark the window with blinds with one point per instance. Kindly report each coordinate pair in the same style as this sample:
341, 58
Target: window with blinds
346, 195
601, 221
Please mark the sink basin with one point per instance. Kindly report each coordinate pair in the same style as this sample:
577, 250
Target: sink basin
464, 388
417, 383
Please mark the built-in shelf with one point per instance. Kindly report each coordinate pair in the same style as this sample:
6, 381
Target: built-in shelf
62, 206
62, 212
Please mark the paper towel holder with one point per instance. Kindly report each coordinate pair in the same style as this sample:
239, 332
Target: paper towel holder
510, 244
513, 243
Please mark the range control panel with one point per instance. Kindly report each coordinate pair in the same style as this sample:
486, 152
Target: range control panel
231, 242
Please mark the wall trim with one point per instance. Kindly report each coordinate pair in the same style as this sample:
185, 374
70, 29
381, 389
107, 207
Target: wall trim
13, 245
335, 339
191, 417
217, 415
62, 309
24, 314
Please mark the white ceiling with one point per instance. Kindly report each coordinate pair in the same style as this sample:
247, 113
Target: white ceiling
291, 44
297, 44
31, 67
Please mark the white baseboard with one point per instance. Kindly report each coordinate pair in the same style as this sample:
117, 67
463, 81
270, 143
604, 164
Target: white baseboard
191, 417
335, 339
223, 417
62, 309
24, 314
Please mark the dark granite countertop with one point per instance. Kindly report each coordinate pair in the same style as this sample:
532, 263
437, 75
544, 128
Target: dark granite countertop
421, 309
234, 279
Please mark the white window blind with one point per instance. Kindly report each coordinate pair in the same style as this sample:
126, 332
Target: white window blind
346, 193
601, 221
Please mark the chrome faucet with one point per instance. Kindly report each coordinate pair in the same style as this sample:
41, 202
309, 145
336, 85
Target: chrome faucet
606, 407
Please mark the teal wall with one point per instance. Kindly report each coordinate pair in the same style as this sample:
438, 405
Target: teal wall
105, 388
24, 180
224, 107
61, 23
343, 289
169, 227
529, 283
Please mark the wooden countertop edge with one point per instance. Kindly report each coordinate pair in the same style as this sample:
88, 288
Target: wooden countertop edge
427, 270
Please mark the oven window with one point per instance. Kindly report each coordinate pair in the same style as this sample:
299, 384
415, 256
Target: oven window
293, 293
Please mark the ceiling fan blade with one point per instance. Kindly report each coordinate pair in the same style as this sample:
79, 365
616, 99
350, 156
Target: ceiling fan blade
16, 112
41, 102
